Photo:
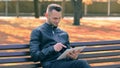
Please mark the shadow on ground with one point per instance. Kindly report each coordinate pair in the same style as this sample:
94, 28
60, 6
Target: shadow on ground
17, 30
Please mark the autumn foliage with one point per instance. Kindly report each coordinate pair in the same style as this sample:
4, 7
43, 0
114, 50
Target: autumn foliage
87, 2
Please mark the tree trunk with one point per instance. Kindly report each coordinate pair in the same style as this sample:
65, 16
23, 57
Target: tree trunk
36, 8
77, 5
17, 8
63, 6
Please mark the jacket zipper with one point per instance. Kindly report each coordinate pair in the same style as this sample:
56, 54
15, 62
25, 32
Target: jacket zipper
53, 32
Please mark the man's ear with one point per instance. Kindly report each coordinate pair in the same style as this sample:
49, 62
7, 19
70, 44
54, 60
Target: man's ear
46, 14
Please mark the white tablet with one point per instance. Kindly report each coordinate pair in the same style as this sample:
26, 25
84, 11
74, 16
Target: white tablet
63, 55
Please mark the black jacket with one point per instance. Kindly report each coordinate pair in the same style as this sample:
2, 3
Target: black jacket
42, 40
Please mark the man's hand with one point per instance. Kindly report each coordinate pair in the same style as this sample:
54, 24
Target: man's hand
59, 46
73, 54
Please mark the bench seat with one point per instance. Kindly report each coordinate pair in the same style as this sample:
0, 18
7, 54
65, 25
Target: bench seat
99, 54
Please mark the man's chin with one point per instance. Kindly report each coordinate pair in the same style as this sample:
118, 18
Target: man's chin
55, 25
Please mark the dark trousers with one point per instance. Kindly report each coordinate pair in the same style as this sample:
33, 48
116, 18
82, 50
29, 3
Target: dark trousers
68, 64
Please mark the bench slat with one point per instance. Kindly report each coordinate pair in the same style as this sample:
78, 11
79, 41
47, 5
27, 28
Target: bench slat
22, 66
106, 48
5, 54
14, 46
104, 60
12, 60
108, 66
99, 55
94, 43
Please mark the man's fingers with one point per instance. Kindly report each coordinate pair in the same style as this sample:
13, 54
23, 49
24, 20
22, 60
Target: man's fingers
64, 46
59, 46
72, 55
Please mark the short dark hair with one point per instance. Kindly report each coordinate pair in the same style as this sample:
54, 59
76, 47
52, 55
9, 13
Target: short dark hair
54, 7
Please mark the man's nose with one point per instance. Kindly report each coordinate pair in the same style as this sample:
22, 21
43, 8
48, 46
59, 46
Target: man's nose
57, 20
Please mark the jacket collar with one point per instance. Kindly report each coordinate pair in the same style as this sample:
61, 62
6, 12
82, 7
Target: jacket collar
47, 25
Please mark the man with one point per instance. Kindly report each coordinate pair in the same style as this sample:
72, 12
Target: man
48, 42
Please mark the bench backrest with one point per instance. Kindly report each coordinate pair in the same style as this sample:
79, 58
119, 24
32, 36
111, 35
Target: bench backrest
16, 55
97, 54
105, 54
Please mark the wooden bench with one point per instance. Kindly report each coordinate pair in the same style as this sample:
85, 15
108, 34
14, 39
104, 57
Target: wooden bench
99, 54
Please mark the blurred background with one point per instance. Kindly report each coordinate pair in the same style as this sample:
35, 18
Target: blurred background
98, 19
26, 7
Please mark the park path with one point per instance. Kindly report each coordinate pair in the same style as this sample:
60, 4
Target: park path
17, 30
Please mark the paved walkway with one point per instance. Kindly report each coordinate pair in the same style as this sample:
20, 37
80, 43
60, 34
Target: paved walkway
17, 30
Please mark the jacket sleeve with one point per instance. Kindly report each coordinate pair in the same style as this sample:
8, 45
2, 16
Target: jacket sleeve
36, 52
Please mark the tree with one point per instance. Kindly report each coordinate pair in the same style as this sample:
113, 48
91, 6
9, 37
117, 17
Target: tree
17, 8
36, 8
63, 6
77, 5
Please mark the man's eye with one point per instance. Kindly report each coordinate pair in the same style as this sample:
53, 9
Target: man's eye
55, 18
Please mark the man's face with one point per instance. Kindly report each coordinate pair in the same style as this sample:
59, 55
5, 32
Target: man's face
54, 17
